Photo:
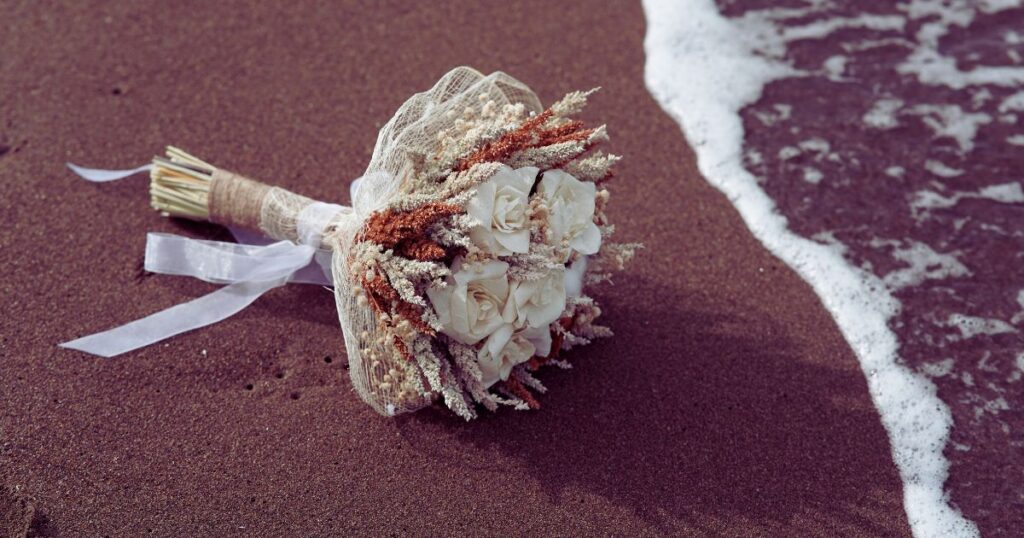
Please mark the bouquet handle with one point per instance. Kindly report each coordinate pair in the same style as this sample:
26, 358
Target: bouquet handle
185, 186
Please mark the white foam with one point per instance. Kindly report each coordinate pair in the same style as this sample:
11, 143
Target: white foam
1017, 374
835, 66
817, 145
1019, 316
925, 200
782, 113
883, 114
702, 69
822, 28
924, 264
930, 66
938, 369
895, 171
788, 152
940, 169
1007, 193
1013, 102
971, 326
812, 175
979, 97
951, 121
994, 6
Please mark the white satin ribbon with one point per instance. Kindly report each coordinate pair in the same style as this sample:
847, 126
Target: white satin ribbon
248, 270
313, 219
97, 175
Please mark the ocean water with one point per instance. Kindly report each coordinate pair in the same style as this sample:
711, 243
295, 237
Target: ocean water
878, 149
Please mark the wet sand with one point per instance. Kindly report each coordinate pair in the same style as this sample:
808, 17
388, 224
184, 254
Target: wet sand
727, 404
925, 197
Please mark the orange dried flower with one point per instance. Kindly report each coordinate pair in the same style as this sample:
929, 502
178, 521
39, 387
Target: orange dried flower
389, 228
501, 149
515, 387
557, 132
422, 249
414, 314
381, 296
403, 349
577, 136
379, 293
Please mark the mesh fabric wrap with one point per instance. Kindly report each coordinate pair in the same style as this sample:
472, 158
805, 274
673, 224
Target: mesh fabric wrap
410, 137
280, 211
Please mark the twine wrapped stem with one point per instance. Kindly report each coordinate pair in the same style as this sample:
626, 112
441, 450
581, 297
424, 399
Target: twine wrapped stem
185, 186
236, 200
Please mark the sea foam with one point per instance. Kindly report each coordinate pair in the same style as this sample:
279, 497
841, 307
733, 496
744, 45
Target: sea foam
703, 69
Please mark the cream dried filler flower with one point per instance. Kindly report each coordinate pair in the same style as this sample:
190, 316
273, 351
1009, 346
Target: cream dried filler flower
463, 266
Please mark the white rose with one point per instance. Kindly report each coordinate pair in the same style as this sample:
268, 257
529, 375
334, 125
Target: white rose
570, 211
470, 306
500, 207
536, 303
574, 277
505, 349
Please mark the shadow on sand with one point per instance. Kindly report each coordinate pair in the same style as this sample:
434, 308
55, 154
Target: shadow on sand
691, 418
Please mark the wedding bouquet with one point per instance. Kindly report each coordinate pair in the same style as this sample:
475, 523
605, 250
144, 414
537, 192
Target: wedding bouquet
462, 266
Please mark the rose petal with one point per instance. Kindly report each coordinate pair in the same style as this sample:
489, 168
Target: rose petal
588, 242
496, 342
540, 337
497, 286
527, 176
440, 298
574, 277
482, 237
469, 272
517, 242
517, 351
550, 182
552, 309
586, 194
481, 205
489, 369
459, 328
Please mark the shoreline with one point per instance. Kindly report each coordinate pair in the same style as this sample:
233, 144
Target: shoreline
917, 421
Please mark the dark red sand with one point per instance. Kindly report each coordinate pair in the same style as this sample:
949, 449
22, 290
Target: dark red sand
728, 404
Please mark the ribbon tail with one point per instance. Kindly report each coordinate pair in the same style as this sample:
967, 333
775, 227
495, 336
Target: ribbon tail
200, 312
97, 175
225, 263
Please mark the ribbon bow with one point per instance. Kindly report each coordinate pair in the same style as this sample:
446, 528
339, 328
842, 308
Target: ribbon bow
249, 270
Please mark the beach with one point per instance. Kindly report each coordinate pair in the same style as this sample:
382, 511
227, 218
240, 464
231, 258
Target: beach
728, 403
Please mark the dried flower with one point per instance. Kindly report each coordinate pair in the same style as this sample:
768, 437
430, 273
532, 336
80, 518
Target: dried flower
389, 228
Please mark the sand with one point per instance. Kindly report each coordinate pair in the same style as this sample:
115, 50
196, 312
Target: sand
727, 404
